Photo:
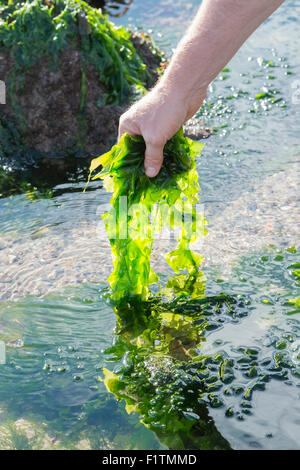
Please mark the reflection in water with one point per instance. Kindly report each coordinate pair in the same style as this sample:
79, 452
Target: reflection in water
39, 179
170, 378
163, 378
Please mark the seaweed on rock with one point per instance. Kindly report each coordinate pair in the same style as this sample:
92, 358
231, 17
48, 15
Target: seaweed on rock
68, 70
35, 30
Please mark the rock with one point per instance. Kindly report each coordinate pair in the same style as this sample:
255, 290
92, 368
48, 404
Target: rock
12, 259
194, 129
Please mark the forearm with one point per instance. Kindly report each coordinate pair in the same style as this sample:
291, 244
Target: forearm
217, 32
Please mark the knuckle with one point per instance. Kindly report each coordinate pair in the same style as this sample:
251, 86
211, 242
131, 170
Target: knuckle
154, 141
127, 123
123, 120
153, 158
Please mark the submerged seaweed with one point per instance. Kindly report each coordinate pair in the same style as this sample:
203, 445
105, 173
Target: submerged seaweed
165, 373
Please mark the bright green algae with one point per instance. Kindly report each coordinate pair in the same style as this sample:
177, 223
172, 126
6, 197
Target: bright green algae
142, 206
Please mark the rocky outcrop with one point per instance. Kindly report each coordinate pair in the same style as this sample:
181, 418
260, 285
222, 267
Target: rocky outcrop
60, 104
69, 75
50, 106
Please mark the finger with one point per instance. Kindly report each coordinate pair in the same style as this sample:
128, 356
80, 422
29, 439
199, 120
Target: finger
153, 158
123, 129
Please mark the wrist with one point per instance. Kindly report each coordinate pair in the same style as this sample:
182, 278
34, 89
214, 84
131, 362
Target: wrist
186, 97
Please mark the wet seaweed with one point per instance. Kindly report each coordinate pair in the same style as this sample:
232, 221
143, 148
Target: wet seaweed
34, 31
142, 206
162, 372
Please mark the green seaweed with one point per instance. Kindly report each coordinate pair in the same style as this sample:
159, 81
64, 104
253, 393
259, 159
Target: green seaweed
34, 31
142, 206
37, 31
157, 340
161, 372
158, 337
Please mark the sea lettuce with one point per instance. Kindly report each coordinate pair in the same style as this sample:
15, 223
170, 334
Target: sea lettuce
142, 206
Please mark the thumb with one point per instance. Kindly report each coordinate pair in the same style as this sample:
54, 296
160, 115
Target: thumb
153, 158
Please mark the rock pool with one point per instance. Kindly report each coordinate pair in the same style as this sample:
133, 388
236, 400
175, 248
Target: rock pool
55, 259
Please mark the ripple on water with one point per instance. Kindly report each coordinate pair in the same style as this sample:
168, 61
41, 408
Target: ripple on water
62, 337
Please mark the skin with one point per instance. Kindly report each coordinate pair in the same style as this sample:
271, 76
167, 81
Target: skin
217, 32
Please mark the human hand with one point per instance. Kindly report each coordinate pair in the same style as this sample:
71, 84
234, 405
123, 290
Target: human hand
157, 117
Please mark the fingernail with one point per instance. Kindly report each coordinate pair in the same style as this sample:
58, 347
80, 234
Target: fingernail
150, 171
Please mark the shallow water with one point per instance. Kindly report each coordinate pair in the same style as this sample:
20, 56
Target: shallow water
55, 259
